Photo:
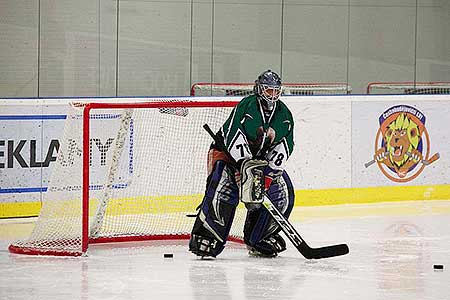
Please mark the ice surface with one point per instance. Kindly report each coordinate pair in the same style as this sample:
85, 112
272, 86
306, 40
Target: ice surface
393, 247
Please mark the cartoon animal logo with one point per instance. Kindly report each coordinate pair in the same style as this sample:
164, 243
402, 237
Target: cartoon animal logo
402, 144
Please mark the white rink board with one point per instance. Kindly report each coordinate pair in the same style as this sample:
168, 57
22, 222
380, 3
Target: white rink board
334, 136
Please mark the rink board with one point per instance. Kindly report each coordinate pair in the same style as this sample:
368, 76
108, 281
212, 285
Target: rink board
334, 135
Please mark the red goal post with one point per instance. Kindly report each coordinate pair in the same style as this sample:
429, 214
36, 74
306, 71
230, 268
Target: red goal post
244, 89
148, 177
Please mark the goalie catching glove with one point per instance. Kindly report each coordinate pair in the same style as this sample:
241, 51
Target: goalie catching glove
252, 179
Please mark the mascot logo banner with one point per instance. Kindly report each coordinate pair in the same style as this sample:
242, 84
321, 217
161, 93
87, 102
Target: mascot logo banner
402, 144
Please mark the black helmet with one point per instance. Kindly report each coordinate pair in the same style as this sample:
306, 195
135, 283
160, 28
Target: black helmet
268, 88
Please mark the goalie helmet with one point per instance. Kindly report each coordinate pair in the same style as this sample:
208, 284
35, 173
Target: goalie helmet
268, 88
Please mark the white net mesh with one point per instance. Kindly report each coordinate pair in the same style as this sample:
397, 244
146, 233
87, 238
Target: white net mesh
147, 173
59, 222
409, 88
244, 89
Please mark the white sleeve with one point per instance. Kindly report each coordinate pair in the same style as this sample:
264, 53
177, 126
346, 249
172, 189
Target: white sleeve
239, 148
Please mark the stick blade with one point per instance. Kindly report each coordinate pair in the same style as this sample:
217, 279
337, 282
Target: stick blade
323, 252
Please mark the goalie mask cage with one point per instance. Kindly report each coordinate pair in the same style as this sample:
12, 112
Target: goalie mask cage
244, 89
408, 88
127, 172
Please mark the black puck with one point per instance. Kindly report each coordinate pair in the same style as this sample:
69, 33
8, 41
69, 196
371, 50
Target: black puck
438, 267
168, 255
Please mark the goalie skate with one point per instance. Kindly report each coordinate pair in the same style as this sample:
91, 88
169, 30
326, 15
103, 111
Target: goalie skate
255, 253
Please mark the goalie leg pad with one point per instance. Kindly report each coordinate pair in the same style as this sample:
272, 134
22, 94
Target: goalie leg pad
260, 230
213, 222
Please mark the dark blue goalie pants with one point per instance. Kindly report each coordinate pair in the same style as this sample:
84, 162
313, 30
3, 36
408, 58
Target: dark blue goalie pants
218, 207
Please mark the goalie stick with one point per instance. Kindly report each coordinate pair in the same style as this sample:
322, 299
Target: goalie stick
286, 226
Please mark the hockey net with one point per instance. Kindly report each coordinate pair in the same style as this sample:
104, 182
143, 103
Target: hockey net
408, 88
244, 89
127, 172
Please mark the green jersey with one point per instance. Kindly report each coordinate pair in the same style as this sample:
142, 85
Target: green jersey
250, 132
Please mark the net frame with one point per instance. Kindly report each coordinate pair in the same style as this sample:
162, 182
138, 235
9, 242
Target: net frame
87, 108
409, 87
288, 88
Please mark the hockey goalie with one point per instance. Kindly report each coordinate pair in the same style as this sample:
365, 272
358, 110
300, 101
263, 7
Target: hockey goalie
258, 135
